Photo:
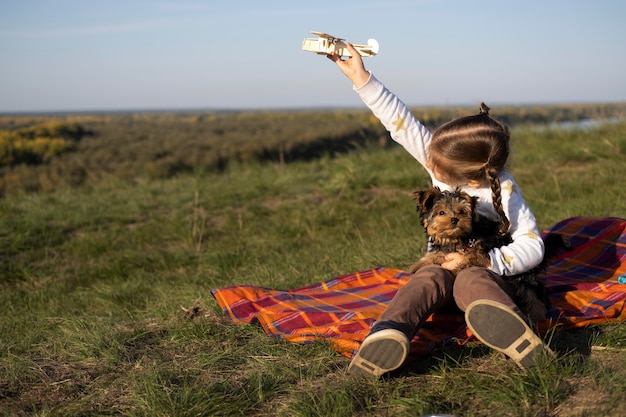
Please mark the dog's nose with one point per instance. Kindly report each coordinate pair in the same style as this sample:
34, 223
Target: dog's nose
454, 221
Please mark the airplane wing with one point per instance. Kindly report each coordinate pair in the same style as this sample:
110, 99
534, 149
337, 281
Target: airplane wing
327, 36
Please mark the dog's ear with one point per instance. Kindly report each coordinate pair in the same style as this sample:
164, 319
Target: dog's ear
473, 202
426, 198
475, 215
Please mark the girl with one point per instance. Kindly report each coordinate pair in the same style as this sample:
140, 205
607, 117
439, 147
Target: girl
470, 153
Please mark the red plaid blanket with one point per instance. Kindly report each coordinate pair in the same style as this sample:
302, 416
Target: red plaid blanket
584, 286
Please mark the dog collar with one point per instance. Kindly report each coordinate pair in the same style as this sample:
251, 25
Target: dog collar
458, 247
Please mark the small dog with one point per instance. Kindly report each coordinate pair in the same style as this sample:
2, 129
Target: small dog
453, 225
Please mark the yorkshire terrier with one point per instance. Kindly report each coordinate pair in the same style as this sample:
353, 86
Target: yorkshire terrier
453, 225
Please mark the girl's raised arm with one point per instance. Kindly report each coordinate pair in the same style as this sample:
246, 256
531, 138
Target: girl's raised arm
352, 67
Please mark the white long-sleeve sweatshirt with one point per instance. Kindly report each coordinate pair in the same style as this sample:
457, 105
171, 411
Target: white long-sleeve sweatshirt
527, 249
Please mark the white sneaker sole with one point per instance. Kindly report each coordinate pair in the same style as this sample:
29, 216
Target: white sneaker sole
500, 328
380, 352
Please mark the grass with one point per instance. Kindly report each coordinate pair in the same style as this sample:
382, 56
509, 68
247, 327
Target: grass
106, 307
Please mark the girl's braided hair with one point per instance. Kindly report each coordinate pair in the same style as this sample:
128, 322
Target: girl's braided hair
473, 148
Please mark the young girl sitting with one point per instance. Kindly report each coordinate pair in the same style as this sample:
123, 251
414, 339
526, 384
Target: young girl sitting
471, 153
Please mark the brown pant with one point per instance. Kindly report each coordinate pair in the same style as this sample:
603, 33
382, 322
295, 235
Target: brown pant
433, 289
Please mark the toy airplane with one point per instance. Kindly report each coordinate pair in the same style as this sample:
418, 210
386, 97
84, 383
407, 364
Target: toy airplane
326, 44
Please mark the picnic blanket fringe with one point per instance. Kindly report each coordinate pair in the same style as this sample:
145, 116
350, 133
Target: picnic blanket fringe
582, 284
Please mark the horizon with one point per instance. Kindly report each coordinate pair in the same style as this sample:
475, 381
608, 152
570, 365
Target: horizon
289, 109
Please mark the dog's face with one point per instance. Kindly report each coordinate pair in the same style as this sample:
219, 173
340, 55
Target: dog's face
447, 216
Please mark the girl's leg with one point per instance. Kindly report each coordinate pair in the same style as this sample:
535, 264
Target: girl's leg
386, 347
494, 318
427, 291
476, 283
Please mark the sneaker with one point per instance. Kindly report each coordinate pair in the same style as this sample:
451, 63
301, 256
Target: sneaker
380, 352
502, 329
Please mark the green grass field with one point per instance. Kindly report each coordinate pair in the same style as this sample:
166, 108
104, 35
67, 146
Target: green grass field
106, 307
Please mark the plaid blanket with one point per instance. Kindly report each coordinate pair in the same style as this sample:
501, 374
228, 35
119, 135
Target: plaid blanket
586, 285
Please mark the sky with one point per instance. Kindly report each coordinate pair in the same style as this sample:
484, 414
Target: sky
116, 55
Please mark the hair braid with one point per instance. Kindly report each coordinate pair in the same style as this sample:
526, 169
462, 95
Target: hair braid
496, 196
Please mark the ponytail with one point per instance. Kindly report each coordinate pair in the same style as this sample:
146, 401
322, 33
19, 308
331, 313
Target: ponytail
484, 109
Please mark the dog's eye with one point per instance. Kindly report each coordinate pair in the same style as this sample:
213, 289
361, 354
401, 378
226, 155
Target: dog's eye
442, 213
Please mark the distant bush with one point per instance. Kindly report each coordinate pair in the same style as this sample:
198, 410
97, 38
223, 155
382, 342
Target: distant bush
54, 129
38, 143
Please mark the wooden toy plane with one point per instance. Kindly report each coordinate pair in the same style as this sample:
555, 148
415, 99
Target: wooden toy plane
326, 44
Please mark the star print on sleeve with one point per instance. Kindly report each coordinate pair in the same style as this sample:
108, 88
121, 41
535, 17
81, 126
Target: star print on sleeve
532, 235
508, 259
508, 187
399, 123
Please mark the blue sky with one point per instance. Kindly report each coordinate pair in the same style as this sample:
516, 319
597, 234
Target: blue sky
66, 55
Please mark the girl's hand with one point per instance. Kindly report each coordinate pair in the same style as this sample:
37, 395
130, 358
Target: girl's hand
352, 67
452, 261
